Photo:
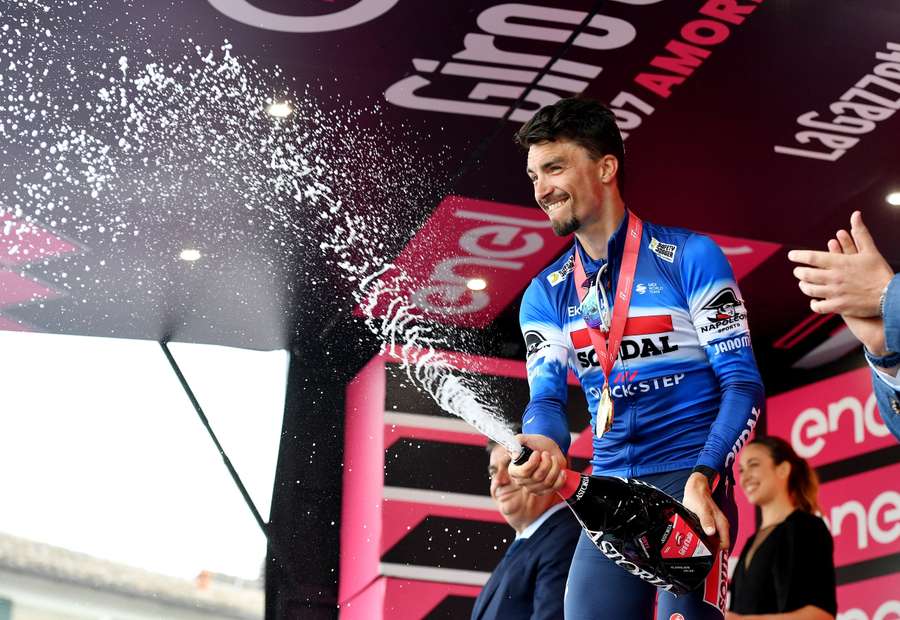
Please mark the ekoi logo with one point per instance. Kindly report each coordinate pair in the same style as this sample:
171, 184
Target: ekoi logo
360, 13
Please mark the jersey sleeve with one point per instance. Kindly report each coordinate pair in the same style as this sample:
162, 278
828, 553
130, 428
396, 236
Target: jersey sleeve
547, 364
719, 315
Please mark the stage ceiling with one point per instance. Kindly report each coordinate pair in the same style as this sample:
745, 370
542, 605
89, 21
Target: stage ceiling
135, 130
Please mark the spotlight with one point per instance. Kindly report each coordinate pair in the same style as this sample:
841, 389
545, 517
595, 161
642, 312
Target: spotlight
477, 284
189, 255
279, 109
893, 199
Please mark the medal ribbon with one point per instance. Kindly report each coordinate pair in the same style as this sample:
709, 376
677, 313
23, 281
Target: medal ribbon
607, 350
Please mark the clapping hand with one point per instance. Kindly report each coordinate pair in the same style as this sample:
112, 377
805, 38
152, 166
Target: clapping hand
848, 279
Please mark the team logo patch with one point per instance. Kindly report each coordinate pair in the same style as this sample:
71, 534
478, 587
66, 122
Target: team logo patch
534, 342
558, 276
722, 315
665, 251
676, 616
725, 306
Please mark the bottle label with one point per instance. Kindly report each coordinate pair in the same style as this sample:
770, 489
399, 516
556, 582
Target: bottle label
683, 541
585, 481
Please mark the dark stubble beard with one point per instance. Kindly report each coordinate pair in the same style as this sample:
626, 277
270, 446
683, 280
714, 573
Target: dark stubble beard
566, 228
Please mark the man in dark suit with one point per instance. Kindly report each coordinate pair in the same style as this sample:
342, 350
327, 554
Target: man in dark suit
530, 581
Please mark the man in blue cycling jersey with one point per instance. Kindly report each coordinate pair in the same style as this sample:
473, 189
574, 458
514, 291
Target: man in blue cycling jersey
653, 324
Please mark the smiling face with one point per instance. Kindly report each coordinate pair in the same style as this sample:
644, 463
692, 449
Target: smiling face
509, 497
515, 503
761, 479
568, 183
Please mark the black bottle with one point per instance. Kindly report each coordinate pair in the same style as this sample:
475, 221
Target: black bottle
642, 529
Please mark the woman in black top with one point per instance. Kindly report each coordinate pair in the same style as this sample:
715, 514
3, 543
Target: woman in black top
786, 569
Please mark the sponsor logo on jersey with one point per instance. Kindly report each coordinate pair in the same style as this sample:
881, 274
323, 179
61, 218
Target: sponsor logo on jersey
731, 344
650, 287
665, 251
743, 438
648, 344
629, 350
645, 385
723, 312
724, 307
558, 276
534, 342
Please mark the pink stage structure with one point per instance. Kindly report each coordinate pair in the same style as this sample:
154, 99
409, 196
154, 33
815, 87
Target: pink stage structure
420, 534
836, 425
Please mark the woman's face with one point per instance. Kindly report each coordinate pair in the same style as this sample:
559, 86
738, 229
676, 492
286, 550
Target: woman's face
762, 480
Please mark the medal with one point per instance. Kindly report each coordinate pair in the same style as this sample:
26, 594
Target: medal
604, 412
606, 336
594, 309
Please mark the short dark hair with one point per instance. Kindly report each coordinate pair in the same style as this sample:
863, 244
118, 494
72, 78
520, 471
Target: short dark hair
586, 122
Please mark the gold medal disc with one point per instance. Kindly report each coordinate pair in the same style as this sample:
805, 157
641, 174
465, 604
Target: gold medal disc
604, 412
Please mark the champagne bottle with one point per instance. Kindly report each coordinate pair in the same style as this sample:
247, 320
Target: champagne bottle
642, 529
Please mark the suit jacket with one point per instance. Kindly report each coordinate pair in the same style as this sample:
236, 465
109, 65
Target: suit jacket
530, 582
889, 397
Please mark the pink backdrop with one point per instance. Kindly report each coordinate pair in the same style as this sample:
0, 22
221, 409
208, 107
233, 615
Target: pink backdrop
836, 425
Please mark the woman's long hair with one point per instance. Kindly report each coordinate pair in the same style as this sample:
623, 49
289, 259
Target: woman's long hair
803, 483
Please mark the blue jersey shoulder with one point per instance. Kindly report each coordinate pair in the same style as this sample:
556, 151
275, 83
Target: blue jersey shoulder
559, 270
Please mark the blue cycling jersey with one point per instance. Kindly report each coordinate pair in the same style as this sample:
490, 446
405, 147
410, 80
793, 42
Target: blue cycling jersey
685, 386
